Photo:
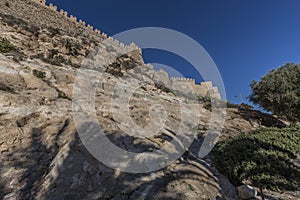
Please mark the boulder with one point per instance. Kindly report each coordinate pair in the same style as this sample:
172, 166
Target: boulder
246, 192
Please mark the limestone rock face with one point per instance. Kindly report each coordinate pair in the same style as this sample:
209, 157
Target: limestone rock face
42, 155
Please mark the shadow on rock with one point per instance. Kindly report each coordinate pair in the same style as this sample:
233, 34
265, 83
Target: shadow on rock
81, 176
263, 119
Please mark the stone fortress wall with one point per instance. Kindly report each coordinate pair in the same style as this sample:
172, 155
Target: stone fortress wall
74, 19
185, 85
71, 17
189, 85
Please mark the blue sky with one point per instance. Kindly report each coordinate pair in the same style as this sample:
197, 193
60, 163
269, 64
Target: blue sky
246, 39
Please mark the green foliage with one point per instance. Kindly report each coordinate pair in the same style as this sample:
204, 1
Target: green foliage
53, 58
54, 31
9, 49
206, 101
71, 47
39, 74
278, 92
7, 88
122, 64
262, 157
245, 106
209, 102
239, 106
231, 105
57, 60
6, 46
163, 88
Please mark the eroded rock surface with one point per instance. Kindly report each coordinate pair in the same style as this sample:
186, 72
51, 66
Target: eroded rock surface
42, 156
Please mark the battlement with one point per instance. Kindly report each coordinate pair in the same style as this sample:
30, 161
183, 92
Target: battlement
183, 84
71, 17
182, 79
124, 48
187, 85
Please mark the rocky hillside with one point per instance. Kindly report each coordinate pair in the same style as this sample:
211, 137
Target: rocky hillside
42, 156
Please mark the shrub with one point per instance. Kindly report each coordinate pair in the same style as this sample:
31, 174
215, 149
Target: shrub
232, 105
263, 158
39, 74
163, 88
208, 102
71, 47
9, 49
7, 89
278, 92
122, 64
245, 106
6, 46
53, 58
53, 31
57, 60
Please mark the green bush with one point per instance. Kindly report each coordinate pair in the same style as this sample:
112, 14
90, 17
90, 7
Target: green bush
9, 49
53, 31
245, 106
232, 105
72, 47
163, 88
6, 46
263, 158
209, 102
39, 74
206, 101
278, 92
6, 88
53, 58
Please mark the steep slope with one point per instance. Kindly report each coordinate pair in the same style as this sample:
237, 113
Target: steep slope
42, 156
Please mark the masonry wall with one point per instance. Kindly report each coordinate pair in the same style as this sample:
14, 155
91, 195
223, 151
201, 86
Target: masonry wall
73, 19
187, 85
182, 84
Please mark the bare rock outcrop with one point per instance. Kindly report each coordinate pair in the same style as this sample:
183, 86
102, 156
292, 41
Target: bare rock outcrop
41, 153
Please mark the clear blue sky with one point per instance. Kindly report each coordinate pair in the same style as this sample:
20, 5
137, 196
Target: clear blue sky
246, 39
